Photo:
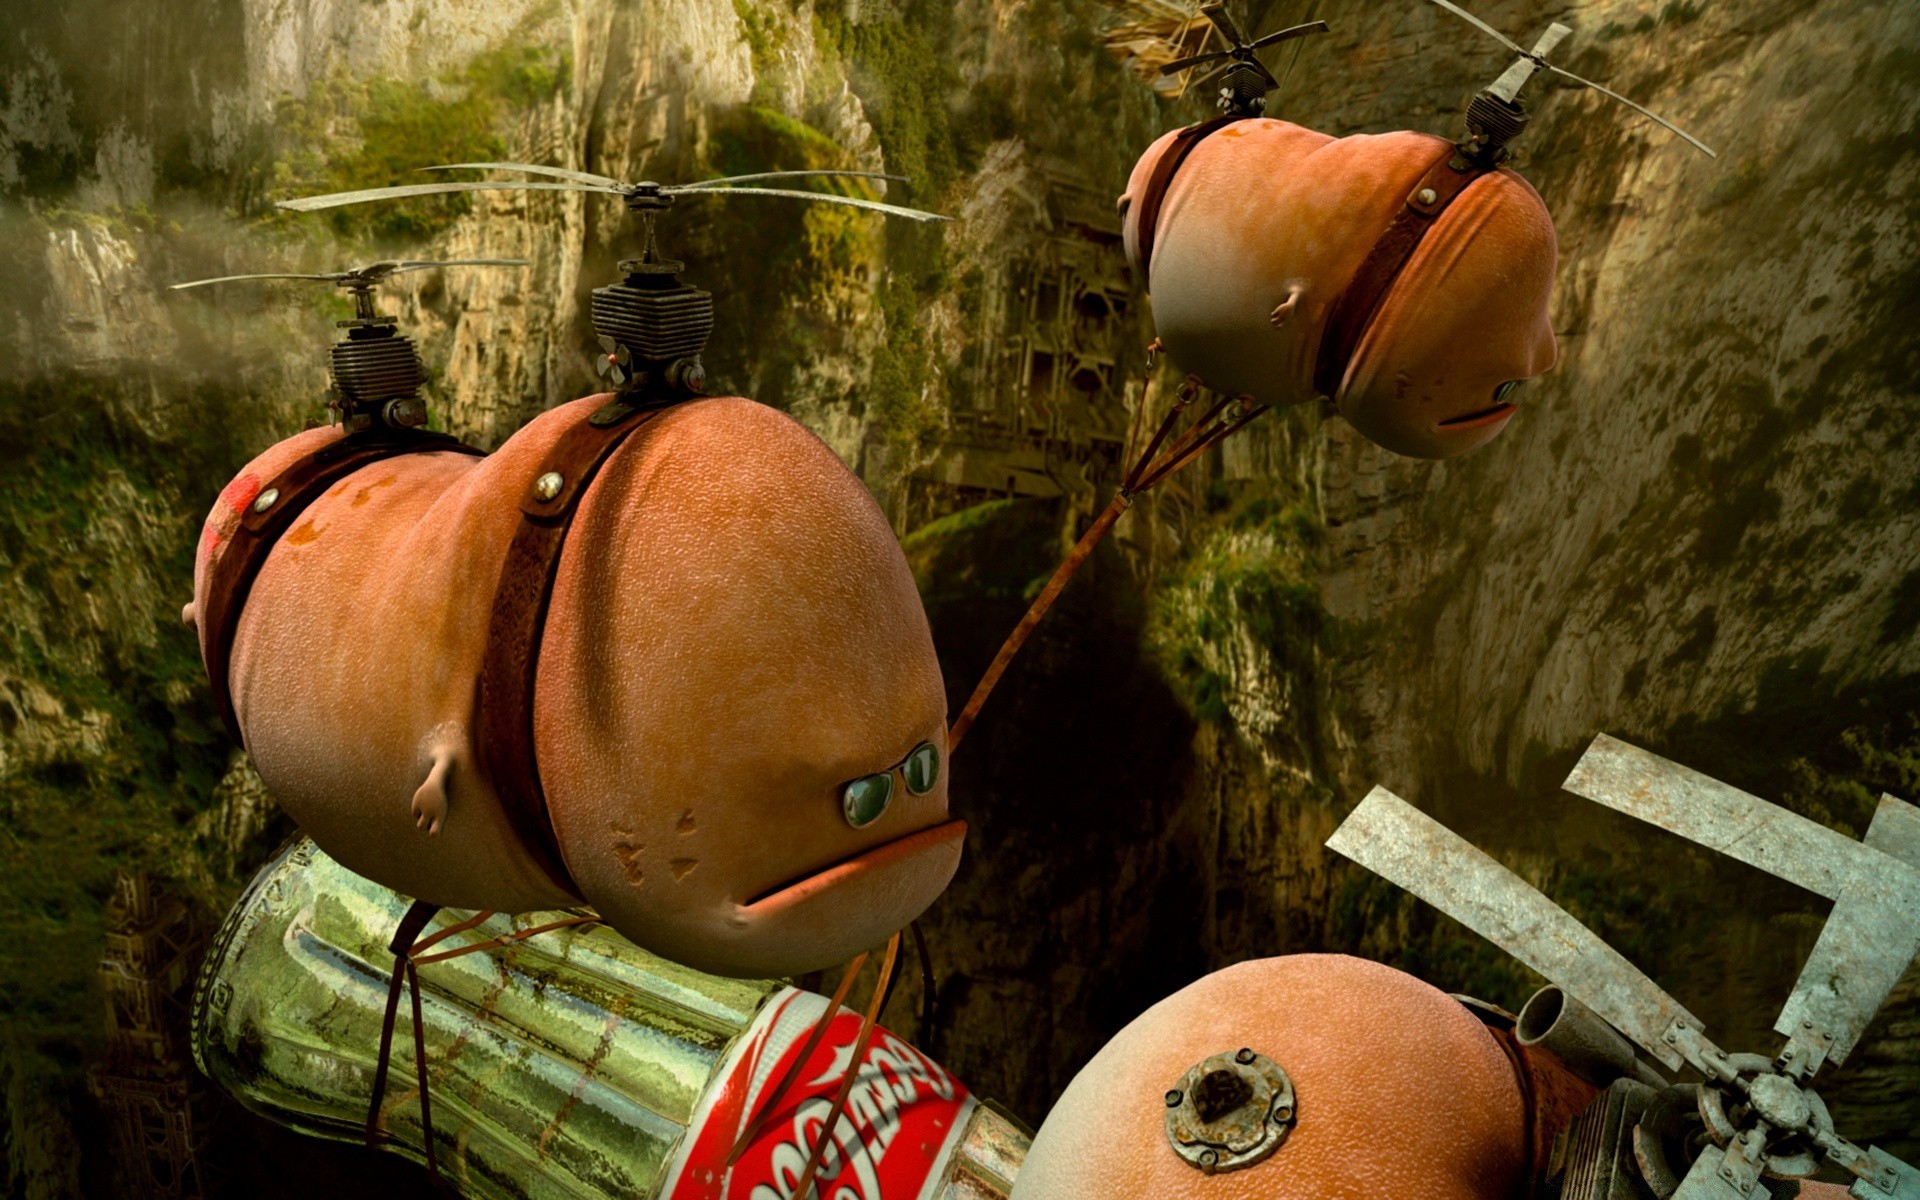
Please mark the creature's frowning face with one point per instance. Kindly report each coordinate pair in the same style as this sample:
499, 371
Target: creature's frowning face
1439, 370
740, 715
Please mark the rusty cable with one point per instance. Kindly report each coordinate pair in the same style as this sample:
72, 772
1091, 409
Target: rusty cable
814, 1039
867, 1026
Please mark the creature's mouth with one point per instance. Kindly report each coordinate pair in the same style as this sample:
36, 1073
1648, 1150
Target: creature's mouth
874, 858
1484, 416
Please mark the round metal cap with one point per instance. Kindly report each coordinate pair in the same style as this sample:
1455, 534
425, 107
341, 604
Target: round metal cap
1233, 1110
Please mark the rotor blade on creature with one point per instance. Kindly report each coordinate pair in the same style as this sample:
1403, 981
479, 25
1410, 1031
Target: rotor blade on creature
338, 199
1400, 843
707, 184
1515, 77
425, 265
1217, 13
1655, 117
531, 169
1295, 31
178, 287
1265, 74
1181, 64
912, 214
1718, 816
1870, 938
1482, 26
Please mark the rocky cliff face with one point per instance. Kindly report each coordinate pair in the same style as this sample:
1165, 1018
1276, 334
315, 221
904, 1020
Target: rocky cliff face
1699, 534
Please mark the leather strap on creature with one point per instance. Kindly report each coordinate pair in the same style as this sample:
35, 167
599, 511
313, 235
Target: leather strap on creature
272, 512
1551, 1094
1354, 310
504, 722
1161, 178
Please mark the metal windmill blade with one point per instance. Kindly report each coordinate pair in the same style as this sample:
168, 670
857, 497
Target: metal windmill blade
1500, 118
1761, 1117
1400, 843
1873, 932
1246, 80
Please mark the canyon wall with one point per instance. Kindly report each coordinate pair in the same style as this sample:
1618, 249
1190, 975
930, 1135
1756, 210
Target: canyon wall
1698, 534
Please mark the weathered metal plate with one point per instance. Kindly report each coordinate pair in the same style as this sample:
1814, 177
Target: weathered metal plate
1716, 815
1393, 839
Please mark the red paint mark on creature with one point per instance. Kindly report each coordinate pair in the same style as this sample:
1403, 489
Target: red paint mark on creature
225, 517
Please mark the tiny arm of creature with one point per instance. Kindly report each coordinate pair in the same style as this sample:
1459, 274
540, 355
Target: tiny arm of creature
1295, 289
189, 616
430, 802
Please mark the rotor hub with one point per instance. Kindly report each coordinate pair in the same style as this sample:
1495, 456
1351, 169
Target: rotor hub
1780, 1102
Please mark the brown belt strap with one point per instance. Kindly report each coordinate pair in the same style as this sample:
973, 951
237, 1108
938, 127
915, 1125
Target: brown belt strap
1162, 178
1356, 307
286, 497
505, 719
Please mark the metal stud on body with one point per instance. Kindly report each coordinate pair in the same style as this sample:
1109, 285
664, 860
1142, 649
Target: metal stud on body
1230, 1111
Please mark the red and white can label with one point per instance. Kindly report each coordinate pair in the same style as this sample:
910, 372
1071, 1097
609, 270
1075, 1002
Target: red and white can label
902, 1121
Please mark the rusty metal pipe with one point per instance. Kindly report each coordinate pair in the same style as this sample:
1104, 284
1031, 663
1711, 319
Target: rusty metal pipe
1572, 1032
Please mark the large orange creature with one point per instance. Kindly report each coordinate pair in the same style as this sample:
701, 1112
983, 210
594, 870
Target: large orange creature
1266, 225
1403, 277
1398, 1090
733, 639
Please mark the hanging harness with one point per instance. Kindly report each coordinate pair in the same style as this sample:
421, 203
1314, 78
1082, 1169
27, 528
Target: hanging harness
1359, 302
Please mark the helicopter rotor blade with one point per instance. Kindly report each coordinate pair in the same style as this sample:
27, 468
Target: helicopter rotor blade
1524, 68
912, 214
180, 287
1261, 67
339, 199
1397, 841
1482, 26
1655, 117
708, 184
427, 264
532, 169
1181, 64
1217, 13
1294, 32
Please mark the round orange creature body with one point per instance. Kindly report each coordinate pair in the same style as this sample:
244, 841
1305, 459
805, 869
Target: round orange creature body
1265, 224
1398, 1091
733, 635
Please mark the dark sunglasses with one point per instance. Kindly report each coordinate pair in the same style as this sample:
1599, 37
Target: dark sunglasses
866, 798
